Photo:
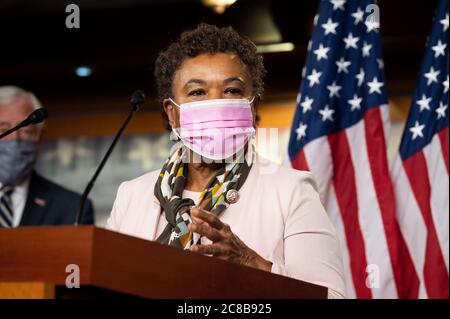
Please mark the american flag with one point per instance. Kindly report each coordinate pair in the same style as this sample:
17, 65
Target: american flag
420, 173
339, 134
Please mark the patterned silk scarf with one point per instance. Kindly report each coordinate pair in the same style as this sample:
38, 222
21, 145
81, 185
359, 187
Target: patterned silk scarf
169, 189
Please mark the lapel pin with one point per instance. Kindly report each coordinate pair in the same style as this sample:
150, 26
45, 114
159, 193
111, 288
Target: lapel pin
232, 196
40, 202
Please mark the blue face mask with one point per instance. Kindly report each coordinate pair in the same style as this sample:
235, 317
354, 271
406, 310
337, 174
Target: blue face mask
17, 158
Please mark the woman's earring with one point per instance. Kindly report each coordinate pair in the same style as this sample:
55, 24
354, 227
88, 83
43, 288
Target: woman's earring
173, 136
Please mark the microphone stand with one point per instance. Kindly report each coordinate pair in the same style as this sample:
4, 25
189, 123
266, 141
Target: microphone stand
36, 117
87, 190
11, 130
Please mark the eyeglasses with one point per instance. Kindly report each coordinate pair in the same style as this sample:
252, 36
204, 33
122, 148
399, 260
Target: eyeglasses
26, 133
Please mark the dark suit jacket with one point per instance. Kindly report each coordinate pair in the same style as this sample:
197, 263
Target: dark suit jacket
51, 204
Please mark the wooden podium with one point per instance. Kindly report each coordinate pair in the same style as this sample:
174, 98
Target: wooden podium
33, 263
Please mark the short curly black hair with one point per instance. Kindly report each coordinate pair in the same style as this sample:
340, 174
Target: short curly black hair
206, 38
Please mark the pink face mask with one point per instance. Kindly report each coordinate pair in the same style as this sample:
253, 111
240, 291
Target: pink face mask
216, 129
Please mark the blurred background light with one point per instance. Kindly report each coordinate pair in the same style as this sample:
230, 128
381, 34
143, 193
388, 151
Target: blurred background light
83, 71
276, 47
219, 6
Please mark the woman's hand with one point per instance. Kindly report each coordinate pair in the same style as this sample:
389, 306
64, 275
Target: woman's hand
225, 244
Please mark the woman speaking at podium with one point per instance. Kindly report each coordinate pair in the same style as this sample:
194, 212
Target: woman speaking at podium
214, 195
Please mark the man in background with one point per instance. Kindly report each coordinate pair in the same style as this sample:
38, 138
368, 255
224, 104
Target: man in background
27, 199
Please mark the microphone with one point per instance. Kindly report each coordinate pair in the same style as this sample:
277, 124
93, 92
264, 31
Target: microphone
36, 117
136, 101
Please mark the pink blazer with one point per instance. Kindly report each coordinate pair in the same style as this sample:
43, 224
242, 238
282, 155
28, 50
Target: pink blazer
278, 214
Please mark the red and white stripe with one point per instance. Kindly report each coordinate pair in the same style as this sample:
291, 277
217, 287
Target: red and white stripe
352, 173
422, 185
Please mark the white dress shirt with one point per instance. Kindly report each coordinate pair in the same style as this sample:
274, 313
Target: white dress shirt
18, 199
